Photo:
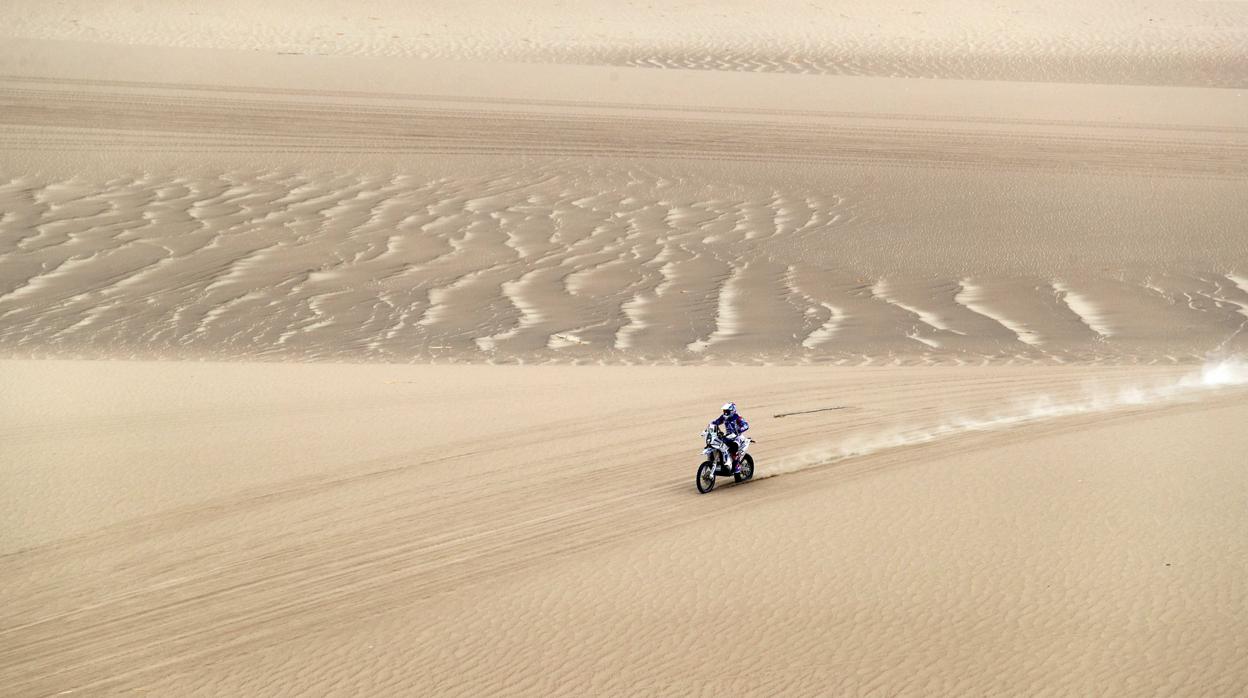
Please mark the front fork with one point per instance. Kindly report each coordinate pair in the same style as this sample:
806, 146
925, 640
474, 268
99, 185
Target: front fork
711, 452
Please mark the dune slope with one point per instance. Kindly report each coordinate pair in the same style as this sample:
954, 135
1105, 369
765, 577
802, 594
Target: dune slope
976, 272
469, 529
318, 208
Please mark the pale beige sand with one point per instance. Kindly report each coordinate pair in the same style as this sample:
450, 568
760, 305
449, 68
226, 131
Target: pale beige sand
336, 530
1181, 42
855, 198
200, 203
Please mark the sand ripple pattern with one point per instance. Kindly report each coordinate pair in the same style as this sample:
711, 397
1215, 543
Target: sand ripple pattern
563, 262
1184, 43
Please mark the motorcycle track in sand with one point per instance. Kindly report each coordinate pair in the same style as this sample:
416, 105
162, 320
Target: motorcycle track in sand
354, 544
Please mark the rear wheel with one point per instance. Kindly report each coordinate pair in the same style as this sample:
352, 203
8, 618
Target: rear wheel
706, 477
747, 469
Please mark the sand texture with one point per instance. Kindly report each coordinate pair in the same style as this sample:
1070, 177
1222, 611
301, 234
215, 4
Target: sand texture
963, 221
363, 348
945, 530
1188, 42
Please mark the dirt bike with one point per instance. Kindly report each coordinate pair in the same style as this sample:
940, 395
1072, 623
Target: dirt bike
718, 462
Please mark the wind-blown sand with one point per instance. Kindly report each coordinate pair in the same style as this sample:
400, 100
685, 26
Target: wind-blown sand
977, 275
478, 213
235, 529
1193, 42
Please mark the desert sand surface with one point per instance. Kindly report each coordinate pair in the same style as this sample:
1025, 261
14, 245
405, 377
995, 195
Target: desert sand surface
1193, 42
185, 528
363, 348
243, 529
394, 210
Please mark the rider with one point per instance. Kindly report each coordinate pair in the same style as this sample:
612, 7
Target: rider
735, 426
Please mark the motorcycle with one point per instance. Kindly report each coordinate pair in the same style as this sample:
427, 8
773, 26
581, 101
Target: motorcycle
718, 462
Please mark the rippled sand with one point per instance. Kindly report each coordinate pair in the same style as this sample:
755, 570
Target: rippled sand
564, 262
958, 222
988, 326
1189, 42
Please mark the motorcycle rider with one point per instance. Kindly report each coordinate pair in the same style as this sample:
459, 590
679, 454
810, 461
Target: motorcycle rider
734, 426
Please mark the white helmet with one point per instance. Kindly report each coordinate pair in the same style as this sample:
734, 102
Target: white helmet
729, 408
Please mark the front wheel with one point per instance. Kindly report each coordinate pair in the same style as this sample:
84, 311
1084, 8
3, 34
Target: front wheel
747, 469
706, 477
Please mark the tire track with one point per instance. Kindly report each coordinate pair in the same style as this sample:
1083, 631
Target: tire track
176, 606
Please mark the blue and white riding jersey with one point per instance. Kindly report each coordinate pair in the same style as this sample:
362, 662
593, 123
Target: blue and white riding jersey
734, 425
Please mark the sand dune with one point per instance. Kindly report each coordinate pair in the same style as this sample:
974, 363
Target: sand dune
509, 265
977, 273
1193, 42
945, 530
162, 221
